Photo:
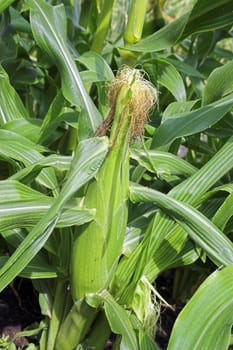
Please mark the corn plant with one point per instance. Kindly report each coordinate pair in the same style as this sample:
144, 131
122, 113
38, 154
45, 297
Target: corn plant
116, 156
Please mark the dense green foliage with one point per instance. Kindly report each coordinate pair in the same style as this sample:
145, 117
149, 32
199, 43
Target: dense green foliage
92, 210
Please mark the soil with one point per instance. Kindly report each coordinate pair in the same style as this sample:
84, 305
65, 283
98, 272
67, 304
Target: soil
19, 309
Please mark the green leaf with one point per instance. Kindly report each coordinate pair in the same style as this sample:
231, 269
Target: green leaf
185, 68
15, 146
87, 160
89, 77
162, 163
11, 191
174, 109
51, 120
25, 128
49, 29
4, 4
18, 22
174, 251
164, 239
145, 343
190, 191
206, 321
95, 63
219, 83
35, 270
167, 75
28, 213
28, 174
208, 15
8, 47
163, 38
224, 213
200, 229
192, 122
204, 16
119, 321
11, 104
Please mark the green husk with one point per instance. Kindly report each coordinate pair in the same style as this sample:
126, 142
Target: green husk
98, 245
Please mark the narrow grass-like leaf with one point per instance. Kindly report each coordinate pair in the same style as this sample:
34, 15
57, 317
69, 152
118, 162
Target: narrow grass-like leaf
49, 29
168, 76
4, 4
18, 147
204, 16
163, 38
175, 109
51, 119
11, 191
28, 174
95, 63
162, 227
28, 213
192, 189
20, 24
145, 343
219, 83
15, 146
26, 128
192, 122
209, 312
119, 321
207, 16
88, 158
184, 67
162, 162
174, 251
224, 213
34, 270
103, 23
11, 105
202, 231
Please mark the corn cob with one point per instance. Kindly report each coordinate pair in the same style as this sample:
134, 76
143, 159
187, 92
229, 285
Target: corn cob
98, 245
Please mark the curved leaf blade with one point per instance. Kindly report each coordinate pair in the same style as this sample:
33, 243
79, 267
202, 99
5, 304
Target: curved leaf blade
96, 64
162, 162
169, 77
87, 160
192, 122
49, 29
4, 4
201, 230
208, 16
28, 213
219, 83
204, 16
213, 301
18, 147
11, 105
35, 270
119, 321
163, 38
